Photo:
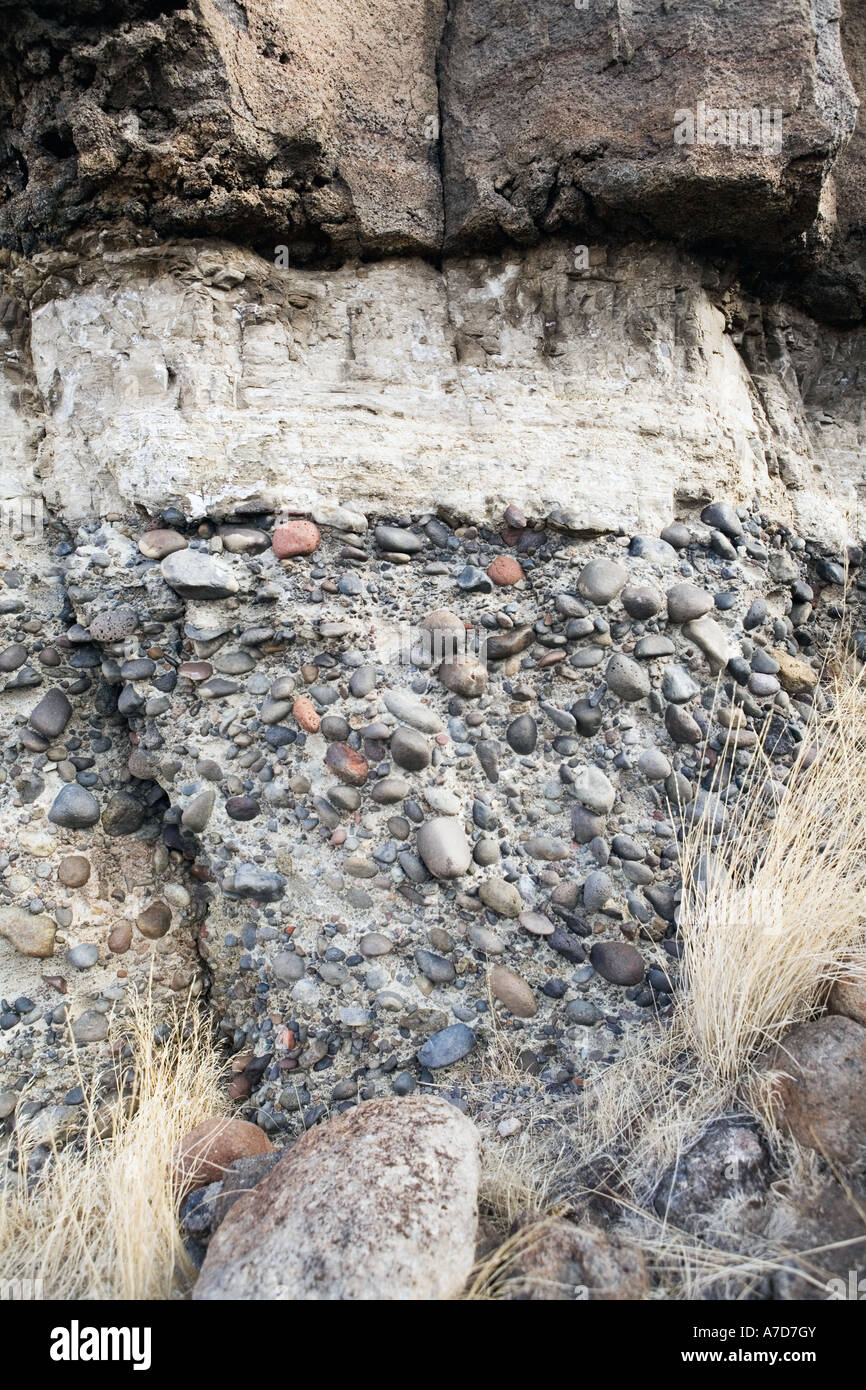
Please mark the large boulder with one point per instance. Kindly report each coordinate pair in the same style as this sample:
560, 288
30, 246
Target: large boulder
379, 1203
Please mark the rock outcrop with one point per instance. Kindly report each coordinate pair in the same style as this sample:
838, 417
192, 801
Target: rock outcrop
594, 258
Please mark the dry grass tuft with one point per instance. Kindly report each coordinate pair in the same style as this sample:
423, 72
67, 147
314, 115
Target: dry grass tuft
99, 1221
773, 911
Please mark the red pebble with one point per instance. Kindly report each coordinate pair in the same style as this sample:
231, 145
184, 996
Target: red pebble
296, 538
504, 570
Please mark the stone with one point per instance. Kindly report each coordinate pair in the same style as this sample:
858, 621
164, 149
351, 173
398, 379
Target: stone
681, 726
194, 574
677, 535
83, 956
377, 1204
618, 962
120, 938
653, 764
287, 967
410, 749
447, 1046
848, 997
114, 623
512, 991
391, 789
155, 920
30, 934
90, 1027
597, 890
678, 685
304, 711
583, 1013
73, 871
626, 678
505, 570
546, 847
206, 1153
797, 677
562, 1262
409, 710
12, 657
593, 790
722, 517
348, 764
122, 815
155, 545
501, 897
686, 602
438, 969
296, 538
656, 645
251, 881
443, 847
398, 540
711, 639
784, 570
74, 808
375, 944
656, 551
197, 812
502, 645
51, 715
601, 580
641, 602
820, 1091
522, 734
727, 1161
467, 677
243, 540
536, 923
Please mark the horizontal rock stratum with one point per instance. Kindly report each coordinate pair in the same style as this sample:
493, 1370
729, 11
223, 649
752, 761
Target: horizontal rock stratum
201, 376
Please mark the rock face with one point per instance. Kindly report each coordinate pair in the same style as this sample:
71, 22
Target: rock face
557, 117
295, 127
489, 359
379, 1203
323, 166
224, 119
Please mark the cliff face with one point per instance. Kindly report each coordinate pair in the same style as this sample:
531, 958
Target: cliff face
604, 258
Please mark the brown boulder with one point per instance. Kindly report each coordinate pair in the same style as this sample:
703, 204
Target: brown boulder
821, 1090
848, 997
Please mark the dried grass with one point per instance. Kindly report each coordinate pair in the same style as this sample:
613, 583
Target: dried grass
99, 1221
773, 911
